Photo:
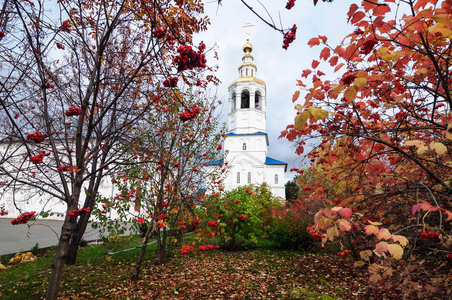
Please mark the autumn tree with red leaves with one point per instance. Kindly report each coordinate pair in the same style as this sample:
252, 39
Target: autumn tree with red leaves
383, 130
76, 77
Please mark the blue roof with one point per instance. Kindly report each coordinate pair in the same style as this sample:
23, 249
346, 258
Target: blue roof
272, 161
215, 163
254, 133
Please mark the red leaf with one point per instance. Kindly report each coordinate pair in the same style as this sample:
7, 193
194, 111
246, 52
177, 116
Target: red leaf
333, 60
313, 42
325, 53
381, 10
357, 17
323, 38
305, 73
315, 64
299, 150
352, 10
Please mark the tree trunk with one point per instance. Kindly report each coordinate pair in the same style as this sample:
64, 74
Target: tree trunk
161, 243
76, 237
136, 270
60, 258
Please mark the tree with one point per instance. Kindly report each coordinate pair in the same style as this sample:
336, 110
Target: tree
383, 129
76, 77
171, 149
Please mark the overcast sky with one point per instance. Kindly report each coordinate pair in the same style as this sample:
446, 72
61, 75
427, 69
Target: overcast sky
279, 68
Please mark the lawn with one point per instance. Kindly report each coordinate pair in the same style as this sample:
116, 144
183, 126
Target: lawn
262, 273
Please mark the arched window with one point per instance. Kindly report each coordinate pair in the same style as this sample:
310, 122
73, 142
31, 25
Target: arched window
257, 101
249, 177
244, 146
245, 99
233, 102
238, 177
276, 178
252, 73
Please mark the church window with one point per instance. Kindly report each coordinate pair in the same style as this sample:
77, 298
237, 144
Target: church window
276, 178
245, 100
252, 75
233, 102
257, 101
238, 177
244, 146
246, 72
249, 177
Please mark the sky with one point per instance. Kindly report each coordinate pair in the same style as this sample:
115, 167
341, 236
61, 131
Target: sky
279, 68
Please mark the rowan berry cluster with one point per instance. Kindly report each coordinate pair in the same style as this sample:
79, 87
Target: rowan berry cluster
2, 210
348, 78
182, 225
65, 26
206, 247
63, 169
212, 224
243, 217
23, 218
289, 37
60, 46
72, 111
140, 220
343, 254
170, 82
37, 159
159, 32
2, 34
36, 137
219, 147
317, 236
190, 114
367, 46
186, 249
429, 235
195, 222
48, 85
189, 59
290, 4
162, 217
78, 212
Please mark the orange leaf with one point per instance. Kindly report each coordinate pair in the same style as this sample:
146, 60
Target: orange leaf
315, 64
305, 73
357, 17
381, 10
313, 42
338, 67
295, 96
333, 60
352, 10
350, 93
325, 53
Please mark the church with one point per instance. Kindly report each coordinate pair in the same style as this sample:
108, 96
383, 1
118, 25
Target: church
246, 140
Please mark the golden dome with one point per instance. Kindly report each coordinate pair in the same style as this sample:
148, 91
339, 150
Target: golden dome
247, 48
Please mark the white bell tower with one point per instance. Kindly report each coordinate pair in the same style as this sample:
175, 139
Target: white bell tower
246, 141
247, 94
